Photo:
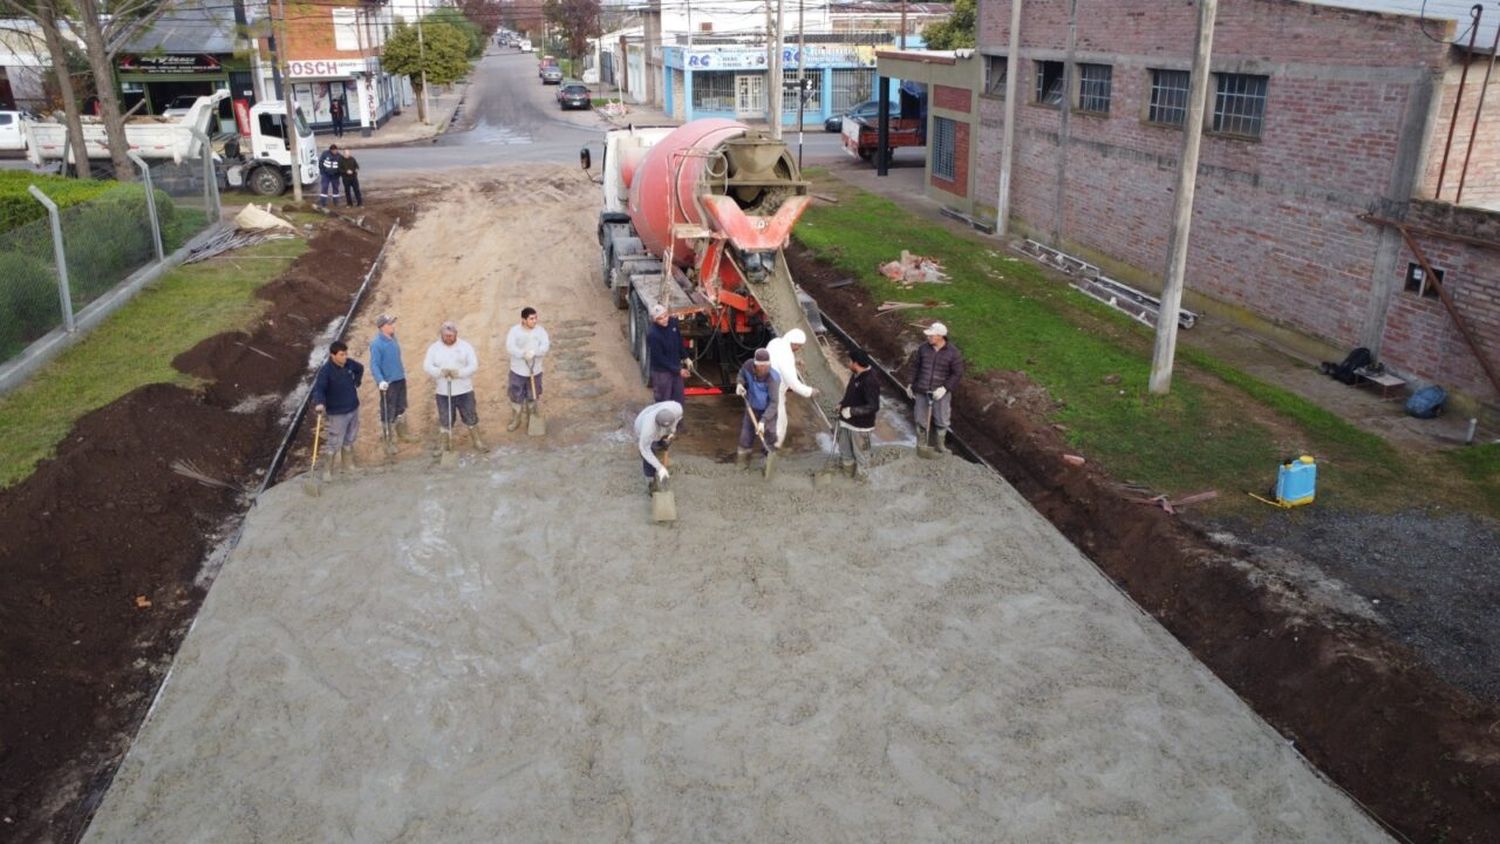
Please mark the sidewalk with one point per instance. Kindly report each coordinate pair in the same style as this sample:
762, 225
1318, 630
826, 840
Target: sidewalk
404, 128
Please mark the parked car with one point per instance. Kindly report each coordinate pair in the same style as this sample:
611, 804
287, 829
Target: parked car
552, 75
574, 95
545, 62
526, 45
869, 110
180, 106
13, 130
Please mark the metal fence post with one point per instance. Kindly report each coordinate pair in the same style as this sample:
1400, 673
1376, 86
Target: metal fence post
61, 257
150, 204
210, 180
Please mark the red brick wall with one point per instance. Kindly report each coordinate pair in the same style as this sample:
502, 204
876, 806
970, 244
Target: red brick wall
1274, 225
952, 99
959, 186
309, 31
1482, 182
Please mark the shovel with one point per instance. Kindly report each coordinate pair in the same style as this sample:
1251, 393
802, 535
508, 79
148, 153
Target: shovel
770, 452
536, 424
313, 486
387, 435
449, 457
924, 449
663, 504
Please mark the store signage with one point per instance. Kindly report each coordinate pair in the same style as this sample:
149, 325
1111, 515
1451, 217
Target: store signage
170, 63
746, 59
322, 68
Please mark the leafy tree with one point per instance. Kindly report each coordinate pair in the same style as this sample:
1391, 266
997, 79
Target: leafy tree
955, 32
574, 22
451, 17
442, 53
484, 14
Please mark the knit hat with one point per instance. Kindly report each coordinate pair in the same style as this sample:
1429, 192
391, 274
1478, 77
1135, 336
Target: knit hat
384, 319
762, 356
667, 417
796, 336
937, 329
861, 357
657, 310
450, 325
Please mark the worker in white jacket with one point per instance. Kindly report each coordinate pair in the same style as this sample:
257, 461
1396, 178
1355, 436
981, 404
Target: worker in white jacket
783, 351
527, 343
452, 363
654, 428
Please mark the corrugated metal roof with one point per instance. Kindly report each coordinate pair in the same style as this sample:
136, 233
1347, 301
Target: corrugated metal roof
197, 28
1434, 10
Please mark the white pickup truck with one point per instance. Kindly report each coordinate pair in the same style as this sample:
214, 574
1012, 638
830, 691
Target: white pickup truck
260, 162
13, 130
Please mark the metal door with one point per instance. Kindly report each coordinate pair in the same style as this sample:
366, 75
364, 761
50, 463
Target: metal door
749, 94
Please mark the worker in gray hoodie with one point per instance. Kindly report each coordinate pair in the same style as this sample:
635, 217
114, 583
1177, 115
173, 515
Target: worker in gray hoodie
654, 429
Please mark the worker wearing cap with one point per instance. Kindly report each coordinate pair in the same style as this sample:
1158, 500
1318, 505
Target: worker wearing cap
328, 167
335, 392
526, 343
654, 429
783, 351
758, 384
452, 363
856, 412
390, 377
938, 369
669, 369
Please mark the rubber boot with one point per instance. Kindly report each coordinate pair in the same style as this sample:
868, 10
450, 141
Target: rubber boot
443, 438
347, 455
515, 417
403, 431
942, 441
742, 458
328, 466
922, 440
474, 438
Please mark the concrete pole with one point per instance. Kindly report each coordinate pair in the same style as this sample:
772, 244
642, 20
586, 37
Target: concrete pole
422, 57
1008, 137
64, 295
1182, 212
801, 76
775, 73
289, 130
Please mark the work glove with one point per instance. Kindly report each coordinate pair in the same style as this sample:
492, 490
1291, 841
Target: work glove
938, 394
739, 390
384, 385
450, 373
662, 475
318, 410
529, 355
760, 428
844, 413
815, 392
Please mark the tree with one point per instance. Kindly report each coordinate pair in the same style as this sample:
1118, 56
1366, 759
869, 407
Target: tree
574, 23
955, 32
448, 16
44, 13
484, 14
442, 53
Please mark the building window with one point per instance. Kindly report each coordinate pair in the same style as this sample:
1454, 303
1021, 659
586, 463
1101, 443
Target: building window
995, 68
1049, 84
942, 148
1169, 96
789, 89
345, 29
713, 91
1418, 283
850, 88
1239, 104
1094, 82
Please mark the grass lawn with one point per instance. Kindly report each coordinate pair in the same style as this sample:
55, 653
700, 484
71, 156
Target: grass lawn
1218, 429
135, 347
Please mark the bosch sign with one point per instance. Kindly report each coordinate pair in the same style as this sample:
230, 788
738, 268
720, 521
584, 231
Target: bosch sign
314, 68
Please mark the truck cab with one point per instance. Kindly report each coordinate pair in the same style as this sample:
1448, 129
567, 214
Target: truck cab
262, 161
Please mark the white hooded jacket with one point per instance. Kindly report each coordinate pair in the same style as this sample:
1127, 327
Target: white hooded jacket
784, 361
519, 340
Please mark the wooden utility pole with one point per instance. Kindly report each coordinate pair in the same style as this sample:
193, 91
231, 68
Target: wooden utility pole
1182, 212
422, 57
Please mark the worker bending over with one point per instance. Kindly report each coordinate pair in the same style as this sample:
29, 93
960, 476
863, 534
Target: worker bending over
783, 351
654, 429
758, 384
857, 411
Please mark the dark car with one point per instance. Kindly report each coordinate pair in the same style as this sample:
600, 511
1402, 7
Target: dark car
552, 76
868, 110
574, 95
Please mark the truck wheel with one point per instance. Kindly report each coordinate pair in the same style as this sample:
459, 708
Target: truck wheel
266, 181
619, 289
609, 258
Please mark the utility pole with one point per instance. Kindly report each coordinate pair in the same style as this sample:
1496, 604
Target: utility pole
801, 77
903, 25
775, 73
422, 57
1008, 134
1182, 211
289, 127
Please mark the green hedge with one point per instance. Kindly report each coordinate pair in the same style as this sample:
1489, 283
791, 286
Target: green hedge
18, 207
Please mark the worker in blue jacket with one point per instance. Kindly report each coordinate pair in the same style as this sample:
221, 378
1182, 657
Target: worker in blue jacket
758, 384
390, 378
335, 393
328, 169
668, 366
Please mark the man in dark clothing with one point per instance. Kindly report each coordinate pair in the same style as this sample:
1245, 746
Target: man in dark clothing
328, 168
336, 111
349, 173
668, 366
336, 392
857, 411
938, 371
759, 385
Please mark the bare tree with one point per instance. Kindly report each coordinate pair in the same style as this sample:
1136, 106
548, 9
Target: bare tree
45, 15
105, 26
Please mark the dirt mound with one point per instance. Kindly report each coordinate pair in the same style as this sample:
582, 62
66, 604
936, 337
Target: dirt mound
102, 544
1419, 753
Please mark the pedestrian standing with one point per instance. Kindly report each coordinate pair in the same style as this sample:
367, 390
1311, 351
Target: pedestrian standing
390, 377
654, 429
335, 392
856, 411
669, 369
938, 370
452, 363
336, 111
328, 168
783, 351
758, 384
527, 344
349, 174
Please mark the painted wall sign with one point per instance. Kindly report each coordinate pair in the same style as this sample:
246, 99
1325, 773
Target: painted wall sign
316, 68
173, 63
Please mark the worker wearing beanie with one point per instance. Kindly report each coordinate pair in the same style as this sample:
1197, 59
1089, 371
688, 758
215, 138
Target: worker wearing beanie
452, 363
783, 351
758, 384
664, 348
856, 413
936, 375
654, 428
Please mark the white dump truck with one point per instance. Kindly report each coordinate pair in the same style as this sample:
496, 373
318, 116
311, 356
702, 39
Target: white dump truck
259, 162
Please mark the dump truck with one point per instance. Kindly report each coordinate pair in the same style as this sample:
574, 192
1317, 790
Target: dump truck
260, 161
695, 218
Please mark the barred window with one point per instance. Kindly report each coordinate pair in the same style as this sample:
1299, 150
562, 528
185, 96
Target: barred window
1094, 82
850, 88
1239, 104
1169, 96
1049, 83
791, 91
943, 148
713, 91
995, 68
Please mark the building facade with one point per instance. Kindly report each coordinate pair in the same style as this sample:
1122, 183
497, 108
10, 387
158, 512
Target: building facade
733, 81
332, 53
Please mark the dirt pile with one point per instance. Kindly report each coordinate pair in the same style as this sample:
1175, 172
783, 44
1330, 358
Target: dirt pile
1422, 755
101, 546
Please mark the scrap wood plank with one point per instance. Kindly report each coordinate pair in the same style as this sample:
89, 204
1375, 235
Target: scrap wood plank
1171, 506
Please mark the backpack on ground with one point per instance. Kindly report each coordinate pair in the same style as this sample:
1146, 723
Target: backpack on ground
1357, 359
1427, 402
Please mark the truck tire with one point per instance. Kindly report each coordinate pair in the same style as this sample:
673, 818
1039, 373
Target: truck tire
266, 181
609, 258
619, 288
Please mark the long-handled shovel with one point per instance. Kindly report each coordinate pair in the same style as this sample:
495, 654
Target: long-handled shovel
314, 485
387, 435
536, 424
924, 448
449, 457
663, 503
770, 452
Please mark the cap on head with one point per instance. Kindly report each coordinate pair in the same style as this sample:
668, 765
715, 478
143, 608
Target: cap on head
762, 356
384, 319
332, 147
861, 357
658, 310
937, 329
667, 417
450, 326
797, 336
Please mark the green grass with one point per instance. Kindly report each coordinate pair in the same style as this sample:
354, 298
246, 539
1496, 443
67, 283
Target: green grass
135, 347
1480, 465
1219, 428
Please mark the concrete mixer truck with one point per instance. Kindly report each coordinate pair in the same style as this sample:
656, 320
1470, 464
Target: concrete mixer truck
695, 218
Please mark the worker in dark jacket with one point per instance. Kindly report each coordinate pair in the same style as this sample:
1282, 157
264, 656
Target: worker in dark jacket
328, 170
939, 369
335, 392
668, 367
857, 411
758, 384
349, 173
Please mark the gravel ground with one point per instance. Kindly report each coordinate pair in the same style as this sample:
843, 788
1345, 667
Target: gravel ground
1429, 576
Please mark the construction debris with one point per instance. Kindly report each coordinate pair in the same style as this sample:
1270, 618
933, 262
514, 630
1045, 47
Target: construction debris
254, 218
1141, 306
914, 269
230, 240
889, 307
1171, 506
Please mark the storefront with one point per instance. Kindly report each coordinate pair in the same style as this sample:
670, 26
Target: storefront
150, 82
732, 81
369, 95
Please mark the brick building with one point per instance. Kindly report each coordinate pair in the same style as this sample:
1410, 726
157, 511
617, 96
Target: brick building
1318, 115
332, 52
